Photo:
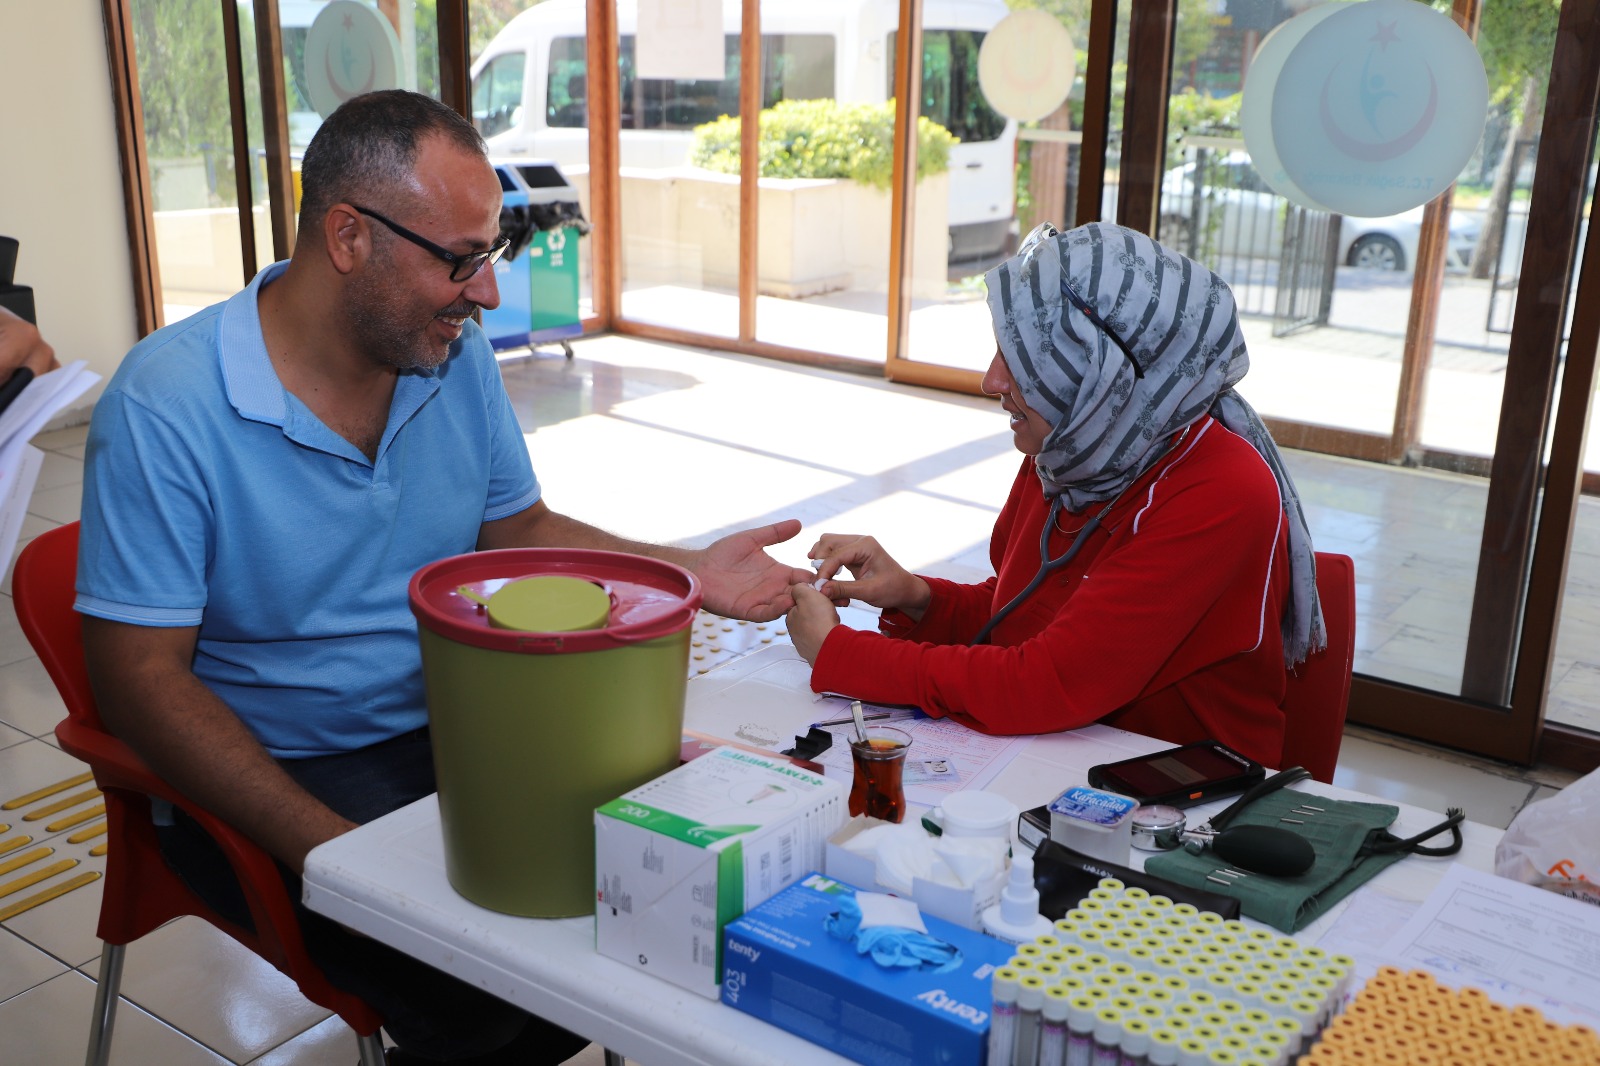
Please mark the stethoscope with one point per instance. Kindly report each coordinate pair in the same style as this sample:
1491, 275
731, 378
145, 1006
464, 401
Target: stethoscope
1047, 565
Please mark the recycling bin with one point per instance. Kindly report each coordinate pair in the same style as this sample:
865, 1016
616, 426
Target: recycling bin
538, 276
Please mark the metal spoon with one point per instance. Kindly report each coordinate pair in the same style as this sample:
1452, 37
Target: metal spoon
861, 725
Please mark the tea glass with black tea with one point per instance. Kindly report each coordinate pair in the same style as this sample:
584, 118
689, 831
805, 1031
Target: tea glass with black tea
878, 790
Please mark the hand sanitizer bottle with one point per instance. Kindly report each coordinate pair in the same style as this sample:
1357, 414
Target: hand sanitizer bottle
1016, 918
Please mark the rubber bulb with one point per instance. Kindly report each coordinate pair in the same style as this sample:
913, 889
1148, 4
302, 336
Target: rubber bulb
1265, 849
1016, 918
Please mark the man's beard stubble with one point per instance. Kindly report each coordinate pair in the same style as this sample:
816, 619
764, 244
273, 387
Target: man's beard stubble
387, 325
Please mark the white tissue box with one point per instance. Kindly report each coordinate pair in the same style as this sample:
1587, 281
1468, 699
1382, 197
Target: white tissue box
678, 858
963, 906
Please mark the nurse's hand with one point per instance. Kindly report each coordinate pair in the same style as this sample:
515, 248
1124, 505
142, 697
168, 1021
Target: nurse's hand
810, 620
879, 580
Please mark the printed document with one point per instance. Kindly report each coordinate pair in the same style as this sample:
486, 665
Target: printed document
1518, 943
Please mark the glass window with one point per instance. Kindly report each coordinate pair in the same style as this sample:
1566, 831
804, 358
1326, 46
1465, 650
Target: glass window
189, 144
567, 90
950, 92
497, 94
795, 67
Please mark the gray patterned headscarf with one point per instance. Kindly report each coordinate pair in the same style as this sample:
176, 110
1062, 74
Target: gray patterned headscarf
1178, 324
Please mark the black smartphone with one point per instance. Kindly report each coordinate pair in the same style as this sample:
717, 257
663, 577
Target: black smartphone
1181, 776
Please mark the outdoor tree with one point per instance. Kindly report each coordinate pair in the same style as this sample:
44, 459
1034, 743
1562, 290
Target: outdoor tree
1046, 166
183, 85
1516, 41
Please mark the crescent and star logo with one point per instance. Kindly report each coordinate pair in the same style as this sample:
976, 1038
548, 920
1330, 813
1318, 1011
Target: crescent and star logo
1377, 102
357, 71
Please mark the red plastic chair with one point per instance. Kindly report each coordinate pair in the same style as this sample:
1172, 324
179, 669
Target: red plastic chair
1318, 695
140, 891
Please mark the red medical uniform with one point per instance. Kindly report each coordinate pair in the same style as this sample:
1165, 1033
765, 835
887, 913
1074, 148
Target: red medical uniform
1166, 623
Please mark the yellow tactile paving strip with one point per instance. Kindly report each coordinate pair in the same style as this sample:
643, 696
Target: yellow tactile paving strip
714, 641
29, 867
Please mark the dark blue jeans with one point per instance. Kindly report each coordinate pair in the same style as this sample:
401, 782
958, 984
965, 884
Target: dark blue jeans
425, 1011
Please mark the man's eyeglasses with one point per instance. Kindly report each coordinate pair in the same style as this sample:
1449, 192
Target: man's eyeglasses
1030, 245
462, 267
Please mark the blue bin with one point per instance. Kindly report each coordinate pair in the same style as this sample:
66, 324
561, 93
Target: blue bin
538, 276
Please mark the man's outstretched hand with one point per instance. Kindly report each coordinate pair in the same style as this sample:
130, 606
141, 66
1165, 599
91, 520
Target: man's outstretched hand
741, 580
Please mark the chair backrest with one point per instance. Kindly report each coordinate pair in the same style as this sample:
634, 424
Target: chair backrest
1318, 694
140, 892
42, 588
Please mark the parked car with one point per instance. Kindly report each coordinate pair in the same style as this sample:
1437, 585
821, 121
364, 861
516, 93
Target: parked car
1240, 216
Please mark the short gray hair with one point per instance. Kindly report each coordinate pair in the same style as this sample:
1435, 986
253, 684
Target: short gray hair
371, 142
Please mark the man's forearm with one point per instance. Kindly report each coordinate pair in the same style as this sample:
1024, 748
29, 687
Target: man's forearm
195, 742
550, 529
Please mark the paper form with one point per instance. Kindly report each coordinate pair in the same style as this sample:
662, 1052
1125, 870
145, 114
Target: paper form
1518, 943
976, 758
43, 398
764, 699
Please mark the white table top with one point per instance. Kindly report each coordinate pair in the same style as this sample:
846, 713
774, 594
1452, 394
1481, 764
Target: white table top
387, 880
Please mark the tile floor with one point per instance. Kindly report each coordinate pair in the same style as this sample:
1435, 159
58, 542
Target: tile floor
746, 442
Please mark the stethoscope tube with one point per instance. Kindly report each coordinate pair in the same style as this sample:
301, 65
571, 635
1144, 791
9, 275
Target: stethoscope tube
1047, 565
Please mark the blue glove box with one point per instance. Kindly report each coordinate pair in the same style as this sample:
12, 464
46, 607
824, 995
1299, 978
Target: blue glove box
781, 964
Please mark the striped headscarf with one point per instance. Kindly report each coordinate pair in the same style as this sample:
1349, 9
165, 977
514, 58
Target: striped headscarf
1075, 314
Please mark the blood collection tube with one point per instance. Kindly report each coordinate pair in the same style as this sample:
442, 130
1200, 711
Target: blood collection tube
1107, 1050
1030, 1001
1053, 1026
1005, 986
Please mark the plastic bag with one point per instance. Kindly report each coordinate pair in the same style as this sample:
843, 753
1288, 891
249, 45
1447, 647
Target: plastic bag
1553, 843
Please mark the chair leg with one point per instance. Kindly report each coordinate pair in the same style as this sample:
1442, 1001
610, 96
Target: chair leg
614, 1059
371, 1047
105, 1005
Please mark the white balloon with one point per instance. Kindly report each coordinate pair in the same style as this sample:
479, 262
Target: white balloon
1026, 65
1261, 87
350, 49
1385, 105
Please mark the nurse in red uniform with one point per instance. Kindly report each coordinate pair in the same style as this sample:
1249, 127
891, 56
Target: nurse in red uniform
1153, 570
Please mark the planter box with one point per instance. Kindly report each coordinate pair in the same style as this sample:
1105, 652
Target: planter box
818, 235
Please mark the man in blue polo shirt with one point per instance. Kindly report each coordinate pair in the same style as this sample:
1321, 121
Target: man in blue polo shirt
262, 480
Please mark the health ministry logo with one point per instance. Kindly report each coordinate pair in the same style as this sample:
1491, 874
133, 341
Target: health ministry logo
1378, 101
1364, 108
350, 49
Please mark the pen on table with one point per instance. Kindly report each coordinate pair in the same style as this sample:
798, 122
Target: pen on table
875, 716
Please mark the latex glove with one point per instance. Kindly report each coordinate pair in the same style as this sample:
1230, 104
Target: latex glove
879, 580
892, 947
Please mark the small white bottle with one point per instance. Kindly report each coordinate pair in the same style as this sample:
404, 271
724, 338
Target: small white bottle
1016, 918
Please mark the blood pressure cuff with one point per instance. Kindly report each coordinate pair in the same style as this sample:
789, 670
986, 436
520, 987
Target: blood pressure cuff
1341, 832
1065, 876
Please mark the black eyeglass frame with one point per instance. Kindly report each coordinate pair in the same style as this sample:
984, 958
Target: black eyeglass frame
1029, 245
462, 267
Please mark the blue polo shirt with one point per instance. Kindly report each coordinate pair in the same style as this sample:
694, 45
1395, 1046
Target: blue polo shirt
214, 498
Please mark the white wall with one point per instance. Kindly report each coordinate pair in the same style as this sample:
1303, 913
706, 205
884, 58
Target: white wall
60, 184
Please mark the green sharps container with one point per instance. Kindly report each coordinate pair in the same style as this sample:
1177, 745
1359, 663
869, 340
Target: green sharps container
555, 682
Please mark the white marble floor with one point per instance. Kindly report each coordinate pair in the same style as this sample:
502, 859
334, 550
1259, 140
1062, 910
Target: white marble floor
670, 443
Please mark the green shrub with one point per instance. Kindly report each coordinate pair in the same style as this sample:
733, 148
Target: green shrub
1191, 112
823, 139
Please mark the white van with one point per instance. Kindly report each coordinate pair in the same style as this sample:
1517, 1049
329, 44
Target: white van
530, 95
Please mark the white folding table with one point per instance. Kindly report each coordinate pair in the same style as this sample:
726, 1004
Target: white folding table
387, 880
